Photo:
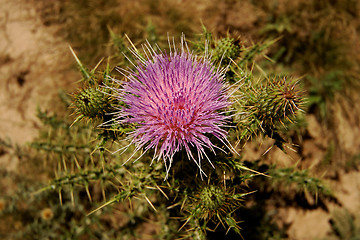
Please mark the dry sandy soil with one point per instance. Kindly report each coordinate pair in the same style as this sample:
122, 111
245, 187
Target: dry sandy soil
35, 65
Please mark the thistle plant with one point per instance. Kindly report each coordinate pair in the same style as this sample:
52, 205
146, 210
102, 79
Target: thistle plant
181, 109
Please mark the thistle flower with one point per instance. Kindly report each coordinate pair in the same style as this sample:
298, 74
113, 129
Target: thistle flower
177, 100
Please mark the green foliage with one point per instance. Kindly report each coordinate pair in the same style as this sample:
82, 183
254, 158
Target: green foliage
301, 179
91, 161
85, 166
202, 207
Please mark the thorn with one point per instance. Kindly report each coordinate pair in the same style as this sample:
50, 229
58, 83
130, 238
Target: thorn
64, 163
82, 68
60, 197
77, 119
97, 65
104, 205
127, 37
267, 150
103, 192
251, 170
189, 218
150, 203
162, 192
72, 197
77, 163
88, 192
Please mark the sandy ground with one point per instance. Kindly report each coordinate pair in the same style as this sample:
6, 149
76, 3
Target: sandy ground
35, 65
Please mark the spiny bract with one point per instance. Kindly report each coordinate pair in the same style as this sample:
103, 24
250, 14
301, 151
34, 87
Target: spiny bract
177, 100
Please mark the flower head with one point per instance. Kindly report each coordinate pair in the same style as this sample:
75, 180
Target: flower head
177, 101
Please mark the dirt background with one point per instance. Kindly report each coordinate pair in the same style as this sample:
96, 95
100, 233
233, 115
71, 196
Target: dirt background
35, 63
34, 66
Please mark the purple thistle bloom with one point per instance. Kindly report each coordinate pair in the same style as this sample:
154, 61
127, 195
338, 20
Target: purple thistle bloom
177, 101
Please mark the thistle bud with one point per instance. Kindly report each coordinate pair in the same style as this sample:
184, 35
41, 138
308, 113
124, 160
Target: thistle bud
92, 103
279, 100
212, 197
265, 106
214, 201
226, 49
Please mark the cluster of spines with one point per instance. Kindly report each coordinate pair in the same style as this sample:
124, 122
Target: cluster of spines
93, 102
278, 101
267, 105
226, 49
214, 203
